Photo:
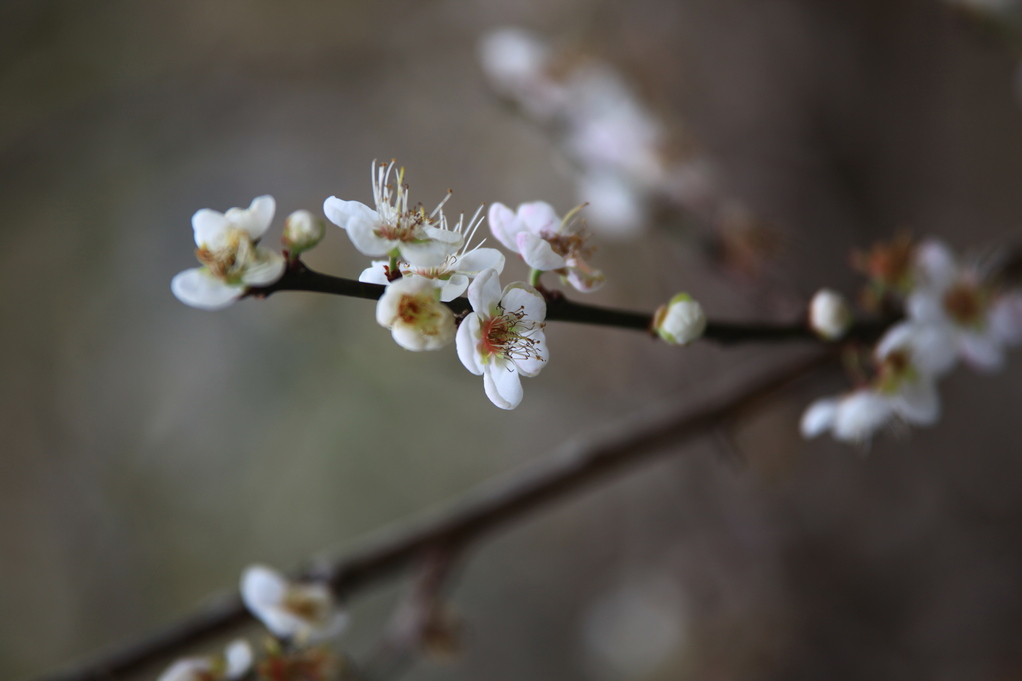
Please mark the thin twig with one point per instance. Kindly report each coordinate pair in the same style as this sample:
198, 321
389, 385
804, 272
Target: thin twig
560, 309
485, 509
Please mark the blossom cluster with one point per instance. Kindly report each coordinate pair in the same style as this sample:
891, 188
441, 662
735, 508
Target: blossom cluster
955, 312
299, 617
425, 262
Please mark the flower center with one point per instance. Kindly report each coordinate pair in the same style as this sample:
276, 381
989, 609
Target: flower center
504, 335
568, 245
896, 368
964, 303
405, 227
229, 262
305, 606
421, 312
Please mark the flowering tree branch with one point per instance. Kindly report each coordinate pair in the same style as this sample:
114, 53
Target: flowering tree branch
485, 509
299, 277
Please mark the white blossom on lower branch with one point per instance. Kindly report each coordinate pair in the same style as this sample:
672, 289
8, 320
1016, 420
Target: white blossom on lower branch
235, 662
681, 321
393, 229
502, 338
230, 255
546, 242
305, 613
411, 309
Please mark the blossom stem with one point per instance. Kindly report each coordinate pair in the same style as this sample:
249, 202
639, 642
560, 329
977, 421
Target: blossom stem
534, 276
560, 309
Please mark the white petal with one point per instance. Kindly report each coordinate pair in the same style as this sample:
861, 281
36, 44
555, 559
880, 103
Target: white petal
539, 217
453, 287
268, 268
484, 293
519, 296
375, 274
538, 253
210, 228
926, 305
584, 278
467, 340
504, 225
502, 384
239, 657
859, 415
1005, 318
188, 669
360, 222
255, 219
198, 288
982, 351
934, 349
474, 262
431, 253
263, 590
936, 264
917, 402
819, 417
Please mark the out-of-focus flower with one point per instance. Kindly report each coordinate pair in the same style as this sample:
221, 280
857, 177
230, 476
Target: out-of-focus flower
517, 62
394, 229
231, 259
305, 664
829, 314
454, 274
910, 358
233, 664
980, 320
502, 337
306, 613
890, 267
302, 231
411, 309
681, 321
546, 242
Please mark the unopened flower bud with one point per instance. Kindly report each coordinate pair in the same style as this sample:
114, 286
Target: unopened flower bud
829, 314
302, 231
681, 321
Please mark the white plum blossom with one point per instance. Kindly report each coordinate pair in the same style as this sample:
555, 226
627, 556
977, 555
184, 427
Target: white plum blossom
910, 358
502, 338
681, 321
411, 309
233, 664
306, 613
302, 231
546, 242
456, 271
829, 314
393, 229
230, 255
978, 319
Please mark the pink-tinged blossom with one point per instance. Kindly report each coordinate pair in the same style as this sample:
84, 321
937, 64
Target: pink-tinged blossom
230, 255
306, 613
394, 229
979, 319
502, 338
546, 242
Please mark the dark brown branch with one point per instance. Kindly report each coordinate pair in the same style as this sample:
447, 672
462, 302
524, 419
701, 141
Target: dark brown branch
561, 309
487, 508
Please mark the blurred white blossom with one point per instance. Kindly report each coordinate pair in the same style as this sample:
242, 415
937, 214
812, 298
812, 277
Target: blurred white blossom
234, 663
302, 231
230, 255
306, 613
829, 314
503, 337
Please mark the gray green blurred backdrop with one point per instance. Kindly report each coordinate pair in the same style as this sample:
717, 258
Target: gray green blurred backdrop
151, 451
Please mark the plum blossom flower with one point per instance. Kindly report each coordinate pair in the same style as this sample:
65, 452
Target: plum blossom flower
910, 358
546, 242
456, 271
979, 319
829, 314
411, 309
233, 664
394, 229
502, 338
304, 612
230, 255
681, 321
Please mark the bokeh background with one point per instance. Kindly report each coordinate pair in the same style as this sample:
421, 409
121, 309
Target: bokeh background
151, 451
